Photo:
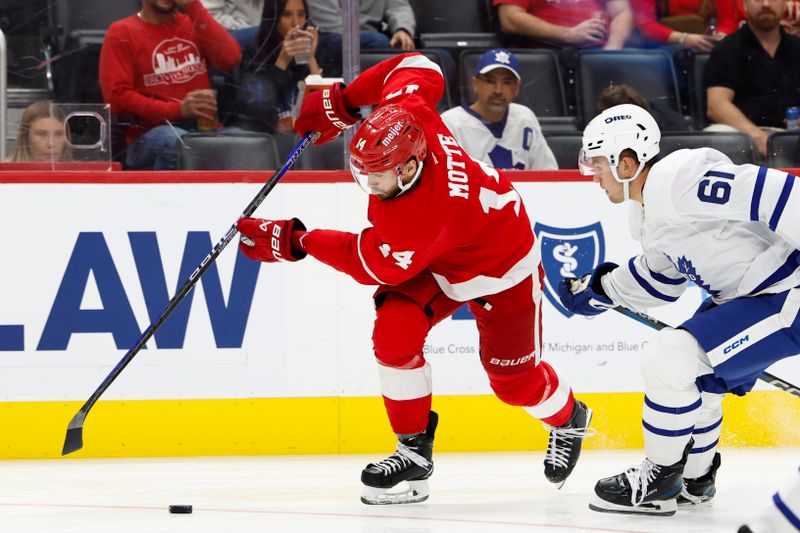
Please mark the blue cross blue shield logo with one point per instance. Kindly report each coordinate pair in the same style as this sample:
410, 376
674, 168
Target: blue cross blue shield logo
568, 253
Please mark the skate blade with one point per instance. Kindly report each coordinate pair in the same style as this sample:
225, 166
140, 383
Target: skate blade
688, 506
655, 508
406, 492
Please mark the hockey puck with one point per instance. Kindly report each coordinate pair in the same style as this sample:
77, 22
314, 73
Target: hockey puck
180, 509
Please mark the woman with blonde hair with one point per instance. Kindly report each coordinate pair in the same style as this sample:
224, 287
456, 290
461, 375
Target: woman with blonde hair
42, 135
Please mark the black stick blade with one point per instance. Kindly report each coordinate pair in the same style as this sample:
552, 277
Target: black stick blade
74, 440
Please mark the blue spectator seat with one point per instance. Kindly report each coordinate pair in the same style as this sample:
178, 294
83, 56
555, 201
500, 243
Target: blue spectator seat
735, 145
328, 156
650, 72
565, 149
91, 14
697, 91
227, 151
783, 150
76, 73
455, 24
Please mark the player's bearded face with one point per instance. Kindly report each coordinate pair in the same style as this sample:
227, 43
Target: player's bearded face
383, 184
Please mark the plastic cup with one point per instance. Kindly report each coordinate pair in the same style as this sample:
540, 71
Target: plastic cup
304, 57
205, 124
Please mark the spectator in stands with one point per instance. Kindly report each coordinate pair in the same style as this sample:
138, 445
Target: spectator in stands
42, 135
753, 75
154, 65
495, 130
384, 24
685, 22
573, 23
240, 17
668, 119
732, 15
285, 54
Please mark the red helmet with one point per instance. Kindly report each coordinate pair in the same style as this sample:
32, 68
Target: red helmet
386, 141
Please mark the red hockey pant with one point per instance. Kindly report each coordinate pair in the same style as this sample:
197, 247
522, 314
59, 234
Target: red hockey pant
510, 331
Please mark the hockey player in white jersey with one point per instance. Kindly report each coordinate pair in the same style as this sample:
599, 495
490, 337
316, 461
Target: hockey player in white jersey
782, 514
734, 230
494, 129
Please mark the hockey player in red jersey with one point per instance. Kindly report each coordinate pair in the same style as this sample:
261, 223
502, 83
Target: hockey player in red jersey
446, 230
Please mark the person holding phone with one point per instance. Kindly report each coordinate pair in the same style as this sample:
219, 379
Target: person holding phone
284, 53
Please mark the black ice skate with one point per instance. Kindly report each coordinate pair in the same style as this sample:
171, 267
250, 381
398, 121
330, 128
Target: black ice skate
564, 446
412, 463
699, 492
644, 489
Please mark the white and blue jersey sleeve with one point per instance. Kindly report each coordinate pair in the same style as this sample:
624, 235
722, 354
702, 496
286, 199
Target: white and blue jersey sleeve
647, 280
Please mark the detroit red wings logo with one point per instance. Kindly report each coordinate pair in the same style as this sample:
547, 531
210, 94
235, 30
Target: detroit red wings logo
175, 61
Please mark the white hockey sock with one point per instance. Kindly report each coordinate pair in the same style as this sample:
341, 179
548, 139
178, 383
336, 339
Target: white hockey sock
668, 419
706, 432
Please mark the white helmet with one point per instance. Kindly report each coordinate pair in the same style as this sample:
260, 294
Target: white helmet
618, 128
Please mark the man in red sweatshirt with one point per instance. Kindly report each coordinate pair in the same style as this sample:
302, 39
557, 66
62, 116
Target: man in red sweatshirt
154, 65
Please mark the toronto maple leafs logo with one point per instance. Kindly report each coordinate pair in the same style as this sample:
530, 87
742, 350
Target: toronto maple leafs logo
686, 268
502, 57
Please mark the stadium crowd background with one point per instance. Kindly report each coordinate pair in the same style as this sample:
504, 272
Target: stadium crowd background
54, 49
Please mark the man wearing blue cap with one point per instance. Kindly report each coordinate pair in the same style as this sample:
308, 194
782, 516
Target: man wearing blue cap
495, 130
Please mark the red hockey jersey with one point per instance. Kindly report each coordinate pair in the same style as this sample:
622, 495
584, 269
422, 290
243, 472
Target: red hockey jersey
463, 221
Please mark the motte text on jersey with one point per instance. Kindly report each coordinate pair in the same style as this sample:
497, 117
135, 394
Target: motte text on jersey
456, 177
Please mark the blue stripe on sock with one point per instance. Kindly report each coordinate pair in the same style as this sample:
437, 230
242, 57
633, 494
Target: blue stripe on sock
705, 448
667, 432
672, 410
706, 429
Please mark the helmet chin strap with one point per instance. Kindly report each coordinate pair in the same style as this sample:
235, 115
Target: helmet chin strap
626, 190
405, 187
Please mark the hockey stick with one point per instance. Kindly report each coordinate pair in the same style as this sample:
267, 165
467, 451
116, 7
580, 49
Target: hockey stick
74, 438
658, 325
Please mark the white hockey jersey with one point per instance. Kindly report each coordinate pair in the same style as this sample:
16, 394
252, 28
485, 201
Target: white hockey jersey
734, 230
515, 143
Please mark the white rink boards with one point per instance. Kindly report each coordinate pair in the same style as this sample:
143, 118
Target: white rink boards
264, 346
